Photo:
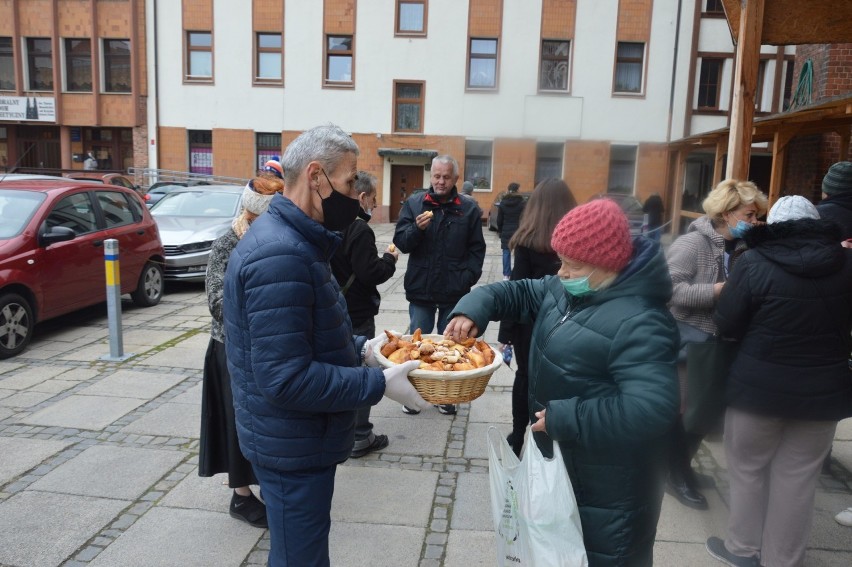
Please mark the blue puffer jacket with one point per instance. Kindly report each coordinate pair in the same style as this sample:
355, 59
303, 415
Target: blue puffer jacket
604, 367
293, 362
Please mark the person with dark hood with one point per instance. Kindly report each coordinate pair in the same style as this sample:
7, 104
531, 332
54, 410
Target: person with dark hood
603, 375
296, 368
508, 219
654, 208
789, 304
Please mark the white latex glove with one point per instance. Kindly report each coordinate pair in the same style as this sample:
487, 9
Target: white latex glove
399, 389
373, 346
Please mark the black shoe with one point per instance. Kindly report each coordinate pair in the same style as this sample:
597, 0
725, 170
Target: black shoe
248, 509
716, 547
685, 494
379, 442
408, 411
446, 409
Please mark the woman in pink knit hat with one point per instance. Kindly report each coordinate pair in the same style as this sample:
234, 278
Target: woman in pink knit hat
602, 372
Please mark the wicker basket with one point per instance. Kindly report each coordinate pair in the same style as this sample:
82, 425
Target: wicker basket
447, 387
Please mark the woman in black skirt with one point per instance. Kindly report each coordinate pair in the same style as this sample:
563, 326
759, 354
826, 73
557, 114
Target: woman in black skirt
219, 450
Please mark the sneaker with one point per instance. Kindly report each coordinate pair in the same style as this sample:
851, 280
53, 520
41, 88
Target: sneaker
446, 409
716, 548
409, 411
248, 509
844, 518
379, 442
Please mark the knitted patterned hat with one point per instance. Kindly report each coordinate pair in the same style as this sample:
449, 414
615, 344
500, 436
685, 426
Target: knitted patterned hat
791, 207
274, 168
596, 233
838, 179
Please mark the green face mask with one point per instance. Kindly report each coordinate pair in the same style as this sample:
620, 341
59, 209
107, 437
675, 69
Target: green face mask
578, 287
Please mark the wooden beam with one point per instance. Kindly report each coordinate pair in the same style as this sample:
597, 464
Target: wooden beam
844, 142
745, 83
677, 196
721, 150
779, 158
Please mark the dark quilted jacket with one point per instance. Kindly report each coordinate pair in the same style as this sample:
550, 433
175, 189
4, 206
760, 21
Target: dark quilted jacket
789, 301
604, 367
294, 366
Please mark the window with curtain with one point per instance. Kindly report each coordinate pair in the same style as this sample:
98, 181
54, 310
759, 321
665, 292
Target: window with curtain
709, 79
548, 161
78, 65
629, 66
483, 64
477, 162
40, 64
268, 147
199, 56
7, 64
201, 151
411, 17
622, 169
553, 72
269, 58
117, 65
408, 107
339, 59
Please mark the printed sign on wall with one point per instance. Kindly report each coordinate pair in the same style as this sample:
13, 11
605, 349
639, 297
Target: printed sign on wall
28, 108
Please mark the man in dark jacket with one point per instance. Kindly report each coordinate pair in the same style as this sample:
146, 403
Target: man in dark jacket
836, 205
296, 371
359, 269
508, 219
442, 233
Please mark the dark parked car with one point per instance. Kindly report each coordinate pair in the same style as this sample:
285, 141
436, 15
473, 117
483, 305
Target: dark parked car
190, 219
159, 190
52, 235
491, 219
631, 207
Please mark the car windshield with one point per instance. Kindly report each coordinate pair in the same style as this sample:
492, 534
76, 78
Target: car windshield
197, 204
16, 209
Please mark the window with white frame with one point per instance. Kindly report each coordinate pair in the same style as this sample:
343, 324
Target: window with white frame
622, 169
78, 65
39, 63
477, 162
116, 54
553, 70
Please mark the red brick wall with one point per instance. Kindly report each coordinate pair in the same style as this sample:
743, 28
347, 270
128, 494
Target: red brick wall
586, 168
557, 19
173, 153
233, 153
651, 162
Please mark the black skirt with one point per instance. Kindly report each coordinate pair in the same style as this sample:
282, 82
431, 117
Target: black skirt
219, 449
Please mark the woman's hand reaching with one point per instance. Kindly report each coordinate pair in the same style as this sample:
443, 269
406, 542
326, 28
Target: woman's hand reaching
461, 328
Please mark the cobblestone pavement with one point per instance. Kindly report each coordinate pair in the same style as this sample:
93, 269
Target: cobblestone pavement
98, 460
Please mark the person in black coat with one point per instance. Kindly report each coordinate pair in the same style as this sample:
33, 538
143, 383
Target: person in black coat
789, 304
359, 269
836, 205
508, 219
654, 208
534, 259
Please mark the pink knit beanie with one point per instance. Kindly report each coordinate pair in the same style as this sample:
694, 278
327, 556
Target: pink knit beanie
596, 233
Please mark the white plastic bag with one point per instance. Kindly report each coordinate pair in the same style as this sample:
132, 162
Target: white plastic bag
533, 507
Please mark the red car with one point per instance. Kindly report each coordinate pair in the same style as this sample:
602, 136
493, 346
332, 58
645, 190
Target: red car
52, 236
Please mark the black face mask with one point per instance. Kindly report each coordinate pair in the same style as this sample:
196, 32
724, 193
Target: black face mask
338, 210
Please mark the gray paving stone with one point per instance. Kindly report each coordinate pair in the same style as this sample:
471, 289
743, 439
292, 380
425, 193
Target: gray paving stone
171, 536
191, 396
676, 553
113, 472
476, 438
370, 545
6, 393
133, 384
20, 455
54, 385
383, 496
84, 412
26, 399
492, 407
469, 548
173, 420
79, 374
200, 493
24, 378
413, 434
43, 529
472, 503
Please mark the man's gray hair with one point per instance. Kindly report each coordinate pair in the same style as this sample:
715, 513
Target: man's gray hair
365, 183
446, 159
326, 144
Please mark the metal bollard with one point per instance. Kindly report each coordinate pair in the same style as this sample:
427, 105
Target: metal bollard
113, 300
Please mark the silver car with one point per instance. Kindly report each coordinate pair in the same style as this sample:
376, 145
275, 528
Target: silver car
190, 219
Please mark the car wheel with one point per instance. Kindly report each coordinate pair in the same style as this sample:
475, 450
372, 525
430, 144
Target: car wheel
149, 290
16, 324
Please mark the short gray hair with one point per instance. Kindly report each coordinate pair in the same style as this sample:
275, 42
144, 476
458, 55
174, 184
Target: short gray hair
365, 183
326, 144
446, 159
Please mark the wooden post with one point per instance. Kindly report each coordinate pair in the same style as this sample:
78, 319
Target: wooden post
745, 83
677, 197
844, 142
721, 149
779, 158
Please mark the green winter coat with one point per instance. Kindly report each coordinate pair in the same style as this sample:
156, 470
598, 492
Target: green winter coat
604, 367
